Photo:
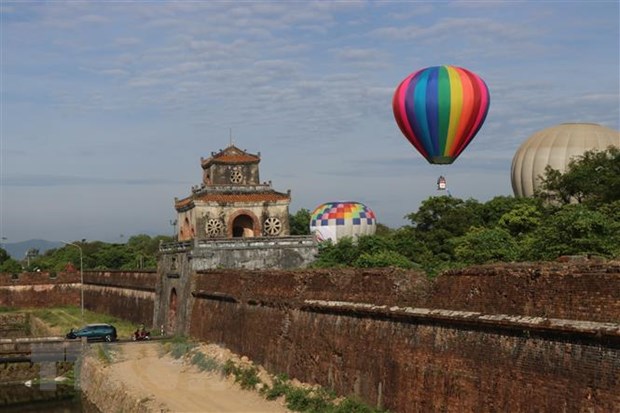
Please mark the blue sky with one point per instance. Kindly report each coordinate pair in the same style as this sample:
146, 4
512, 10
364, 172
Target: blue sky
106, 108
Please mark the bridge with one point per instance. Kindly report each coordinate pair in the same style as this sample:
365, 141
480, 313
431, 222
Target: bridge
48, 349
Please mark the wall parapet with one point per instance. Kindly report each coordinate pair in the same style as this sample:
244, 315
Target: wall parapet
37, 278
483, 339
145, 280
257, 242
606, 333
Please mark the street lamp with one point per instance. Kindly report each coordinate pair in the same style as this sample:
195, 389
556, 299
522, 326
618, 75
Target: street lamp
81, 277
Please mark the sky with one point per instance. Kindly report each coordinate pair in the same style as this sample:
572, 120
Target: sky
107, 107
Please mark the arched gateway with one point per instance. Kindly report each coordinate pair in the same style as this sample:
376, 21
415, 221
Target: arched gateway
172, 312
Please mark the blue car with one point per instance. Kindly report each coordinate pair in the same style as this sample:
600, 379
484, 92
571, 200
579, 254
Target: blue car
94, 332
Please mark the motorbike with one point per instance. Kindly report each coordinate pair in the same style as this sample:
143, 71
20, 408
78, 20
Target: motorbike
140, 335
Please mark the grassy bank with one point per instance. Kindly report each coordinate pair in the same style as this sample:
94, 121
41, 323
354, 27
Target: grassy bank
60, 320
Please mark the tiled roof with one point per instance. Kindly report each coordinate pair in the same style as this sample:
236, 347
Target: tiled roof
257, 197
183, 202
236, 158
228, 198
233, 155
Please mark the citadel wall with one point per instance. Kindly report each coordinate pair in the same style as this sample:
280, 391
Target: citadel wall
378, 334
518, 337
125, 294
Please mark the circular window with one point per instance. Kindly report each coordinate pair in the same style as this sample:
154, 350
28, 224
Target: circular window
214, 227
236, 176
273, 226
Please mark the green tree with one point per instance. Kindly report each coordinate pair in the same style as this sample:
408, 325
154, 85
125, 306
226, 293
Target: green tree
592, 178
574, 229
494, 209
8, 264
484, 245
383, 230
383, 258
440, 219
300, 222
4, 256
341, 254
140, 252
522, 219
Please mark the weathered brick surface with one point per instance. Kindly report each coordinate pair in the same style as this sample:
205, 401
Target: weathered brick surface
400, 360
377, 286
37, 278
415, 364
138, 280
125, 303
577, 291
125, 294
39, 290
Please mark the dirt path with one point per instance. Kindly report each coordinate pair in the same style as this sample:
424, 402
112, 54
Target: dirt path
172, 386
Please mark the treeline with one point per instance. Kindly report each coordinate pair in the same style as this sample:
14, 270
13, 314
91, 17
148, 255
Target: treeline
140, 252
575, 213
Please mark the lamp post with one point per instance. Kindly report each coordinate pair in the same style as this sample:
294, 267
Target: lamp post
81, 277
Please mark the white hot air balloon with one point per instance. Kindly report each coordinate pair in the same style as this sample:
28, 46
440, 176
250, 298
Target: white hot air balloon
336, 220
556, 146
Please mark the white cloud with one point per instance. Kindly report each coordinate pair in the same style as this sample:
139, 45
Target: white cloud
137, 92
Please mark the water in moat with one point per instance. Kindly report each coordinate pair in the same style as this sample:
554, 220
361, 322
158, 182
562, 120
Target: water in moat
20, 398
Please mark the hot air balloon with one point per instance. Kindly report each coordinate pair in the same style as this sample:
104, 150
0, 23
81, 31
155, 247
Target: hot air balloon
335, 220
556, 146
440, 109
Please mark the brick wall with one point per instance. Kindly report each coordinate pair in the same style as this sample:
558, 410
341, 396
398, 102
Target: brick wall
39, 289
577, 291
417, 358
481, 339
126, 294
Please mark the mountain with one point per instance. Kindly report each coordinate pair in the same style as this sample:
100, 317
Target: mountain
17, 250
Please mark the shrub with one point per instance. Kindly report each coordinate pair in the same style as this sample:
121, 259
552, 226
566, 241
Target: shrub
205, 363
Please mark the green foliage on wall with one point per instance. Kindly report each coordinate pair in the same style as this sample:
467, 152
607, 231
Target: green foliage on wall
578, 214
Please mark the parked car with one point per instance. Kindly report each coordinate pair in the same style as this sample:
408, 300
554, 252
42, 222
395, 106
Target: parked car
94, 332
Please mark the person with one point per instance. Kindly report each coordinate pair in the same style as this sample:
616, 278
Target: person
141, 332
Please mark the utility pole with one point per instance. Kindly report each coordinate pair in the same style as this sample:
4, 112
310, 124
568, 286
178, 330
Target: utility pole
81, 277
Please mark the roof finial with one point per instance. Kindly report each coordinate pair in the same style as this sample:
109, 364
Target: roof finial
230, 136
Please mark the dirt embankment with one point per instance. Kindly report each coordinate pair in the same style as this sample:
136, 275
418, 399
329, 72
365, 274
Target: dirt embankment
138, 377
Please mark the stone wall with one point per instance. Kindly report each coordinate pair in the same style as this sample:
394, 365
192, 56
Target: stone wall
95, 383
375, 334
129, 295
174, 286
39, 289
126, 294
254, 253
523, 337
14, 325
576, 291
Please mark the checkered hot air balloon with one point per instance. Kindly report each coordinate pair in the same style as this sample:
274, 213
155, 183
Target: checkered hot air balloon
440, 109
336, 220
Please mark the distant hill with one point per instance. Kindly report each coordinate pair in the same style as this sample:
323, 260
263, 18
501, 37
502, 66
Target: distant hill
17, 250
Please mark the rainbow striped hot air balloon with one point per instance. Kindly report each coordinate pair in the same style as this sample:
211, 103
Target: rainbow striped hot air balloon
440, 109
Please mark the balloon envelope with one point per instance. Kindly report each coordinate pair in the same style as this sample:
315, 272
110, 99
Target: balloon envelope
556, 146
440, 109
335, 220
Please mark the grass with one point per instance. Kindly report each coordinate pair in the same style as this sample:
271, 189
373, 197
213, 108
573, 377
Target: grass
205, 363
179, 346
63, 319
105, 354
